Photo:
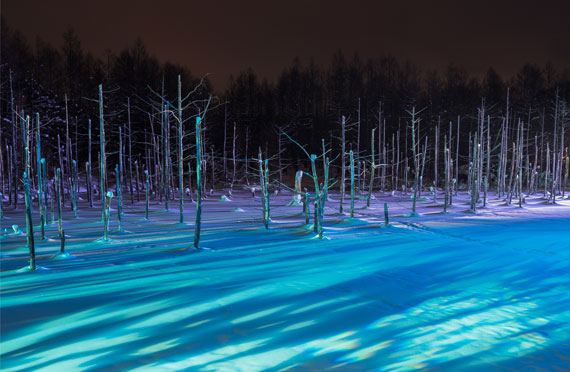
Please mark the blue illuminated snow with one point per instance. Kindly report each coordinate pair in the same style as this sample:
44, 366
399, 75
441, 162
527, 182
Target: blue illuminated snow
453, 292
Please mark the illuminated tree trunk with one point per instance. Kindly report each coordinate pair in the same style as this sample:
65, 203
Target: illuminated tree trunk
29, 225
342, 159
457, 157
198, 186
68, 154
180, 154
107, 214
14, 148
246, 155
89, 165
166, 170
264, 191
58, 202
119, 196
446, 168
358, 148
102, 161
318, 195
306, 209
351, 184
372, 166
520, 163
120, 173
40, 180
137, 180
424, 151
147, 194
267, 196
436, 160
75, 187
324, 198
416, 167
225, 141
474, 177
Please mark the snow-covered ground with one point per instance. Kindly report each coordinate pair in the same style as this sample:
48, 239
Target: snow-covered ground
453, 292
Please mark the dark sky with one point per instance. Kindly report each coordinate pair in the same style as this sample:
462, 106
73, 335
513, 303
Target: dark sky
224, 37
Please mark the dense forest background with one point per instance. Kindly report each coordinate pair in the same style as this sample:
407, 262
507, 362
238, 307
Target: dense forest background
307, 100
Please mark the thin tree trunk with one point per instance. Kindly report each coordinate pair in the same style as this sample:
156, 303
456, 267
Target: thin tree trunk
225, 140
414, 154
29, 224
351, 184
372, 166
342, 159
181, 155
102, 161
89, 164
197, 224
147, 194
119, 196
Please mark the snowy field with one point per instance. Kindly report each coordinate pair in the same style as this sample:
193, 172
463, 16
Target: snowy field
454, 292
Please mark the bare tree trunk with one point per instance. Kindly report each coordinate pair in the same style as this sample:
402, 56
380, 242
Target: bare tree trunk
166, 155
351, 184
547, 170
446, 170
436, 161
40, 185
14, 148
380, 145
130, 152
264, 191
520, 152
45, 193
120, 173
474, 186
414, 154
488, 166
58, 193
398, 158
89, 164
119, 196
567, 171
138, 180
393, 163
246, 156
213, 168
384, 157
29, 224
59, 152
181, 154
234, 156
68, 152
197, 224
107, 215
102, 161
358, 147
423, 167
225, 140
74, 186
190, 180
147, 193
436, 157
342, 159
457, 157
372, 166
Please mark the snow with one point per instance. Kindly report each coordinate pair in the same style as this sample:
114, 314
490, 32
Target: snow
451, 291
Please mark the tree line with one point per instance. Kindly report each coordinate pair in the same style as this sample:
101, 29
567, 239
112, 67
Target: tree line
307, 100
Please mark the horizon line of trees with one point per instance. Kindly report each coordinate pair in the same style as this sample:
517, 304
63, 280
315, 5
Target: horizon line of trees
306, 100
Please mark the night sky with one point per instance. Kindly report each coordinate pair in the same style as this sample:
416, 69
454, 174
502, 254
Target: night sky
225, 37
